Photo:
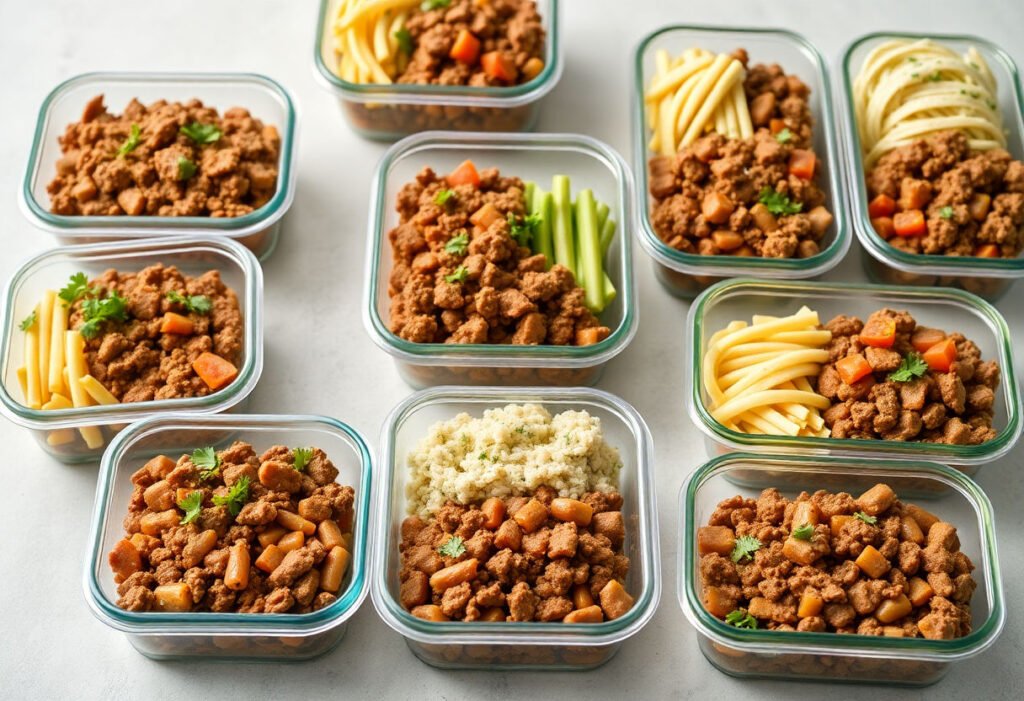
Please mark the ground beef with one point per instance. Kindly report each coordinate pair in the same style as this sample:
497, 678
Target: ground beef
166, 173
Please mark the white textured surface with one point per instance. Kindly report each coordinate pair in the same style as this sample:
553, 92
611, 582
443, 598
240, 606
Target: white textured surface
318, 359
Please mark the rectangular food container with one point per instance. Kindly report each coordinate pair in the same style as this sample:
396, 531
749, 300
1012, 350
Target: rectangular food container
495, 646
387, 112
990, 278
831, 657
266, 99
56, 431
686, 274
248, 637
947, 309
589, 163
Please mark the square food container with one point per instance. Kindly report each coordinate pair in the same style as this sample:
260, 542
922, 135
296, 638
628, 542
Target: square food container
686, 274
947, 309
496, 646
990, 278
831, 657
264, 98
589, 163
386, 112
56, 431
204, 635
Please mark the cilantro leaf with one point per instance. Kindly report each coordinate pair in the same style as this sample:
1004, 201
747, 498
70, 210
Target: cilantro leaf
777, 203
77, 288
95, 311
934, 77
28, 322
453, 548
236, 497
191, 504
521, 229
201, 133
428, 5
912, 367
745, 547
861, 516
404, 39
741, 618
784, 136
200, 304
186, 168
804, 532
459, 275
132, 142
946, 212
442, 196
302, 458
457, 244
207, 460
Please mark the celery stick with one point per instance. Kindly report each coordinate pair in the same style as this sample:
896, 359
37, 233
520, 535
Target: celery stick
561, 218
542, 242
608, 289
602, 215
607, 234
528, 193
590, 250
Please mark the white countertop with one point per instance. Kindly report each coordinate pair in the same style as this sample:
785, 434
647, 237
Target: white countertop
52, 647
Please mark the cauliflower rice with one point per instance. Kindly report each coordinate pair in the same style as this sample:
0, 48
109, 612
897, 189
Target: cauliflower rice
510, 451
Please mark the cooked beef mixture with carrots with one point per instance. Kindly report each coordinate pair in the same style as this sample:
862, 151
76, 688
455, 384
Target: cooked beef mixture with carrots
480, 44
234, 531
463, 272
166, 159
829, 562
157, 333
891, 379
524, 558
936, 196
747, 197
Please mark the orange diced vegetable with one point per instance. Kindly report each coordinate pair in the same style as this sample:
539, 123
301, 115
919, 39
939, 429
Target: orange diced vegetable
466, 48
882, 206
909, 223
776, 125
892, 610
920, 591
805, 513
802, 163
591, 335
988, 250
717, 602
715, 539
837, 522
800, 551
717, 208
214, 370
872, 562
877, 500
978, 206
176, 324
485, 216
924, 338
884, 227
940, 357
499, 66
925, 519
124, 560
878, 332
852, 368
464, 174
914, 194
911, 530
811, 604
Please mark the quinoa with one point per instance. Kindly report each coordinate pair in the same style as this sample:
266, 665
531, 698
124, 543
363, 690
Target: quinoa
510, 451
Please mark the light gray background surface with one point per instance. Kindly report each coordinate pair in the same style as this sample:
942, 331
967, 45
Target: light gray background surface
319, 359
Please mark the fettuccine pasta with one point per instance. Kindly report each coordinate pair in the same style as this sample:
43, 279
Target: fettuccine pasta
367, 35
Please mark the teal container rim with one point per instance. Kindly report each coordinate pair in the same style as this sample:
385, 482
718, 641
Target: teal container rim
133, 226
951, 454
519, 633
879, 248
692, 263
239, 389
459, 95
220, 624
784, 642
487, 354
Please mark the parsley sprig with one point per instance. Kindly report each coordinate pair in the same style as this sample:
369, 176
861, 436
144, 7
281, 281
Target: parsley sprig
302, 458
458, 244
777, 203
870, 520
96, 311
460, 275
453, 547
28, 322
784, 136
132, 142
912, 367
741, 618
208, 462
236, 497
202, 133
404, 39
521, 229
200, 304
191, 504
186, 168
744, 548
946, 212
428, 5
442, 197
77, 288
803, 532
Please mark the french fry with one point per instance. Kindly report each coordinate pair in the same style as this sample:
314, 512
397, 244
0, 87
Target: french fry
74, 352
45, 324
58, 325
34, 393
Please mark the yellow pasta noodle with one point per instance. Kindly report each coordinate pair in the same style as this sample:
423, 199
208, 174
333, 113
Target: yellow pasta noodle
58, 325
45, 322
97, 391
33, 392
74, 351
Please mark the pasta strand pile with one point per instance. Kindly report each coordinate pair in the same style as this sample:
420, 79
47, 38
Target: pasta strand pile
908, 89
368, 35
756, 375
694, 93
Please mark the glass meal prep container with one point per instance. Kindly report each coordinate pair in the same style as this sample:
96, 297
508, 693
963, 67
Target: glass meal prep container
832, 657
687, 274
507, 645
947, 309
589, 163
205, 635
264, 98
990, 278
56, 431
387, 112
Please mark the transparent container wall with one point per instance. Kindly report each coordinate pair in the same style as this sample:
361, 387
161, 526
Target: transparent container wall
916, 483
685, 275
175, 436
882, 262
491, 657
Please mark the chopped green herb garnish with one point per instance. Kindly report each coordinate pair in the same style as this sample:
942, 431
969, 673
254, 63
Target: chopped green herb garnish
861, 516
521, 229
914, 75
946, 212
191, 504
777, 203
804, 532
201, 133
302, 458
28, 322
934, 77
186, 168
428, 5
236, 497
745, 547
741, 618
459, 275
912, 59
483, 456
442, 197
96, 311
453, 548
991, 104
404, 39
207, 460
132, 142
458, 244
912, 367
200, 304
77, 288
784, 136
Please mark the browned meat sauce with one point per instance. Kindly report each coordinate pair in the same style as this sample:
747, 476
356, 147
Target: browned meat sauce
489, 289
955, 406
973, 202
537, 558
274, 548
162, 171
138, 362
827, 562
708, 196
